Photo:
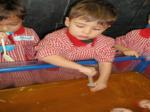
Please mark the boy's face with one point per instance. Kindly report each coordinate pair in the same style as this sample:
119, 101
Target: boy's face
84, 30
10, 24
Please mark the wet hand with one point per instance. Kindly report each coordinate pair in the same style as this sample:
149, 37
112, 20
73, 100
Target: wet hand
3, 35
131, 53
98, 86
89, 71
145, 104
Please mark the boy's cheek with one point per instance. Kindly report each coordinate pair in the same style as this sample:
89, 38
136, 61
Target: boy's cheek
2, 29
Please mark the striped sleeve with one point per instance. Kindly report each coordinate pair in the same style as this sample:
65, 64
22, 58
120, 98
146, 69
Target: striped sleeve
125, 39
49, 46
106, 52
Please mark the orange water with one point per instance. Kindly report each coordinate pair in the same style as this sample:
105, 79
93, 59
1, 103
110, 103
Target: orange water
124, 90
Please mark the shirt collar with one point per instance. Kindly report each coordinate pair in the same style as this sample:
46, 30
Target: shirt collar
21, 30
145, 33
76, 41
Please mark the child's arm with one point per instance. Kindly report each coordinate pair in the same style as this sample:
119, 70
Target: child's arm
30, 46
61, 61
3, 35
126, 51
105, 71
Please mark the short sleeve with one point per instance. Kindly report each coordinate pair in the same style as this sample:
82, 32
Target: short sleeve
49, 46
125, 39
105, 52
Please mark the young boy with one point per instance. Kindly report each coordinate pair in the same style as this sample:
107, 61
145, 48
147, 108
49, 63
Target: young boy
134, 43
24, 40
82, 39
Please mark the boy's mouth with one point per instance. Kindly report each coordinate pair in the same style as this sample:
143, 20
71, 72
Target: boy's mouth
85, 37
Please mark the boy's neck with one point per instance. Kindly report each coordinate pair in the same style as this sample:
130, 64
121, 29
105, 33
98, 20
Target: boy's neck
78, 42
145, 32
88, 41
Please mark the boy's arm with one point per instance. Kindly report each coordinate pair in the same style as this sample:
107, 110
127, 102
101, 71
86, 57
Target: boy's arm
5, 36
30, 47
105, 71
61, 61
120, 48
126, 51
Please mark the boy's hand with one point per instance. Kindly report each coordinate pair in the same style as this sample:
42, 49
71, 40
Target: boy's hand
145, 104
98, 86
131, 53
3, 35
89, 71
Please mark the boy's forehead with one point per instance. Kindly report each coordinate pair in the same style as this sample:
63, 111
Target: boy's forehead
92, 19
84, 20
11, 19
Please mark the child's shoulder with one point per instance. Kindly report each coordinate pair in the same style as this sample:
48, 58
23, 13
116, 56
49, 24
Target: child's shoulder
28, 30
60, 33
130, 33
105, 38
134, 31
56, 35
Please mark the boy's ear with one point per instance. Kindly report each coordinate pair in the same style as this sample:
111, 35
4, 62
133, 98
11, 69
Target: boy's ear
67, 21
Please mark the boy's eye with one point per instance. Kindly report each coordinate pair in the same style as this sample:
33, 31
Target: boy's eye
80, 26
13, 24
96, 29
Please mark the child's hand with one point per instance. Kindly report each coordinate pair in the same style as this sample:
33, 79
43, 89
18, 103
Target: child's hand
145, 104
89, 71
131, 53
98, 86
3, 35
120, 109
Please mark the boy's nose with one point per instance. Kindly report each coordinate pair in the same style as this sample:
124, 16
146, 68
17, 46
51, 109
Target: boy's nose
87, 31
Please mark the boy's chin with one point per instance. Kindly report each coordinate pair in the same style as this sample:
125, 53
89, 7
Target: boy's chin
85, 38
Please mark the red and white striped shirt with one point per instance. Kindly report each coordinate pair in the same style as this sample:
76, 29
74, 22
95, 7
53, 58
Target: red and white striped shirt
59, 43
24, 40
135, 41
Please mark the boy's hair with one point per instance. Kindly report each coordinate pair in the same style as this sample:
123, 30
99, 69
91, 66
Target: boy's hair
91, 10
11, 7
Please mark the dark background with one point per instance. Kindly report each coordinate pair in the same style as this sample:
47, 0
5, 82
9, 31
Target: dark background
45, 16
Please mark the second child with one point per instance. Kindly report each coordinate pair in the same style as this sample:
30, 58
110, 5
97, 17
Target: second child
82, 39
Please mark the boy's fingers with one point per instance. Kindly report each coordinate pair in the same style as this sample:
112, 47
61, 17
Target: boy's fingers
137, 55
